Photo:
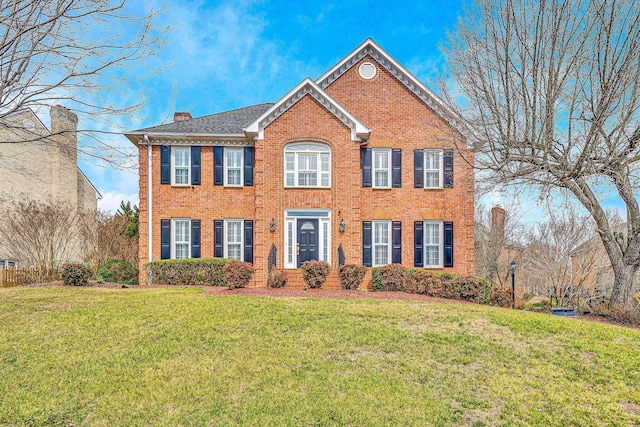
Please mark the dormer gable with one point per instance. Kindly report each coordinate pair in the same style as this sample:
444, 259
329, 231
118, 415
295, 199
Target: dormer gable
359, 132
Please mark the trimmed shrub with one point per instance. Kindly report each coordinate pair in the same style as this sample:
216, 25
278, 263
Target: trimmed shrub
277, 278
501, 296
376, 284
188, 272
624, 314
315, 273
543, 306
424, 282
237, 274
76, 274
393, 276
117, 271
351, 276
470, 288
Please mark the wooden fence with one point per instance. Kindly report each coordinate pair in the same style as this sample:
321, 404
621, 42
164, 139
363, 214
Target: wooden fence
17, 276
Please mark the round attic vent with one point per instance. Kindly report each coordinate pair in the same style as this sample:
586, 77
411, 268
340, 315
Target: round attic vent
367, 71
28, 124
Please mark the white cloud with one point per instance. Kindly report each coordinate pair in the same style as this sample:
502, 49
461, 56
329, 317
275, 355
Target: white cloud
112, 199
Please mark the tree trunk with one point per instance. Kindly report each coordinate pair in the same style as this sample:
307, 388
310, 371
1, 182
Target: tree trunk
623, 280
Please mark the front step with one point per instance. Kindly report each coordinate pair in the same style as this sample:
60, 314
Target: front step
295, 280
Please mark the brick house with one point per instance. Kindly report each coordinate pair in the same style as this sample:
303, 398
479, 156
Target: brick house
38, 164
359, 167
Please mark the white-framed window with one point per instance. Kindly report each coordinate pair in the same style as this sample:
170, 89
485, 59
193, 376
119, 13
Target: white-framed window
433, 167
433, 243
233, 170
381, 243
307, 164
181, 238
180, 165
233, 233
381, 168
292, 219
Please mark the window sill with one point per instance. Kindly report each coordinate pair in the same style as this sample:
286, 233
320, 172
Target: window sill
381, 188
306, 188
181, 185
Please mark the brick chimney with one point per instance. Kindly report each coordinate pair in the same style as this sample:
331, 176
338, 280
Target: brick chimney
64, 126
181, 116
497, 223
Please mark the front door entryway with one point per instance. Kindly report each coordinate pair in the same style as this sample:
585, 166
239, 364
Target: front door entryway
307, 240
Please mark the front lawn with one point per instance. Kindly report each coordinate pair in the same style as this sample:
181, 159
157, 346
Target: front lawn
89, 356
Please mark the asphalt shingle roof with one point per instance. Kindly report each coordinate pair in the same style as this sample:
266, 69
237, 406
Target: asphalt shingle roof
225, 123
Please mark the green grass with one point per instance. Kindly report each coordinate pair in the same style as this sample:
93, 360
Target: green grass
89, 356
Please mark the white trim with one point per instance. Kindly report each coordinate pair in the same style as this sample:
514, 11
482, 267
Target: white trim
173, 234
440, 244
225, 242
359, 131
291, 220
173, 166
440, 167
389, 167
226, 168
373, 242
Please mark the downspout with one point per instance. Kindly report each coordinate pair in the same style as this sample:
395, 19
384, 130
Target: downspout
150, 199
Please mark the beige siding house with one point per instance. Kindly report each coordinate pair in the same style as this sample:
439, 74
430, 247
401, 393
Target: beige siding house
41, 164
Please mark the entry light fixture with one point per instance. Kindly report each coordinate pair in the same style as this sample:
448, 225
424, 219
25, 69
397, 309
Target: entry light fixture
342, 225
272, 226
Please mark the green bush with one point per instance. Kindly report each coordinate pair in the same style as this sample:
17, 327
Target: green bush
277, 278
190, 271
315, 273
470, 288
376, 284
351, 276
424, 282
393, 276
237, 274
75, 274
117, 271
501, 296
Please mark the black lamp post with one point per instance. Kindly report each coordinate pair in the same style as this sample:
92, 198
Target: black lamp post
512, 268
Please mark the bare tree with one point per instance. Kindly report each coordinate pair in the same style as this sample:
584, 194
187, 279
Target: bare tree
552, 95
81, 53
110, 237
550, 254
42, 234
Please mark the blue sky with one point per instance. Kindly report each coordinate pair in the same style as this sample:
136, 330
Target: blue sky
229, 54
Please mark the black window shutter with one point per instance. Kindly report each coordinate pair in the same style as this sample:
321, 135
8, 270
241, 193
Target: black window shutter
195, 166
165, 239
218, 171
165, 164
447, 161
218, 234
448, 244
396, 163
418, 168
366, 243
366, 167
195, 238
248, 241
418, 244
248, 166
396, 242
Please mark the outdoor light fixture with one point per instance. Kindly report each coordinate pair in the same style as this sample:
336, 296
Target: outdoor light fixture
512, 268
272, 226
342, 225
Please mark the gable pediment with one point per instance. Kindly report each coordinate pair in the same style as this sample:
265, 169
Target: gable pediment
359, 132
374, 51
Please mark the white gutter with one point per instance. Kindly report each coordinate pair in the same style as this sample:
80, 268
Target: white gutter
150, 198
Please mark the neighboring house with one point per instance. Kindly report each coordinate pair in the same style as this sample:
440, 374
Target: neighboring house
38, 164
356, 167
591, 268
